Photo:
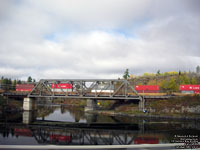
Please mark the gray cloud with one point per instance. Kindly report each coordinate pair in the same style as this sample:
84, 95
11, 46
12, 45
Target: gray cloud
97, 39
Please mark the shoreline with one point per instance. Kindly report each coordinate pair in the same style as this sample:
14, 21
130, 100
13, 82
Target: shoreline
113, 113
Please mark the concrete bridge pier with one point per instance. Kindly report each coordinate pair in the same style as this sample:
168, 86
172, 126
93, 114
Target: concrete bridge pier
29, 116
142, 104
29, 104
91, 105
141, 125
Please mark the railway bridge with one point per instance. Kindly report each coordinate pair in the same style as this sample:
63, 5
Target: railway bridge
89, 89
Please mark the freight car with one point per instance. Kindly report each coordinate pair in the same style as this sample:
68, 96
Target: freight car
61, 87
147, 88
23, 132
24, 87
146, 140
60, 138
103, 88
190, 89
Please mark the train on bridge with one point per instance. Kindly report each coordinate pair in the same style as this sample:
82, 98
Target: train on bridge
141, 89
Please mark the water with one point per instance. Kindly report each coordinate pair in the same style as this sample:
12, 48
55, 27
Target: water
67, 125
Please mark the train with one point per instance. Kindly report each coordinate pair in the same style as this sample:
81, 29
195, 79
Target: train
61, 87
141, 89
147, 88
190, 89
24, 87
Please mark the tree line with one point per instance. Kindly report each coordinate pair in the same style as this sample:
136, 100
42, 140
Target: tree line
167, 81
8, 83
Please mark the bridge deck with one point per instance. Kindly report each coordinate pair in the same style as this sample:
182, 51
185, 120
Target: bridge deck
105, 97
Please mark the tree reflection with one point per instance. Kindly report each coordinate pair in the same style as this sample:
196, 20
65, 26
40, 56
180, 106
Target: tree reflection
45, 110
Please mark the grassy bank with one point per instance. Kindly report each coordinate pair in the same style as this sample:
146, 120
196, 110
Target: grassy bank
180, 107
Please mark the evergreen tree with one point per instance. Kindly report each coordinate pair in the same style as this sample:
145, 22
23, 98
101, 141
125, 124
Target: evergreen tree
198, 69
126, 74
2, 79
19, 82
9, 81
158, 72
5, 81
29, 79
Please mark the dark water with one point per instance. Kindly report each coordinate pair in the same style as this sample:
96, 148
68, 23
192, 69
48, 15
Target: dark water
67, 125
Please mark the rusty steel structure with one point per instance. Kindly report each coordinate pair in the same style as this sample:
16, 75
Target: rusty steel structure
104, 89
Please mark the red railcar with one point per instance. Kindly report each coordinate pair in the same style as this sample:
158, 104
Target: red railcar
61, 87
147, 88
24, 87
146, 140
61, 138
190, 87
23, 132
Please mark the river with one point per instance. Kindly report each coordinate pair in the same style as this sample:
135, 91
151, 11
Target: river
67, 125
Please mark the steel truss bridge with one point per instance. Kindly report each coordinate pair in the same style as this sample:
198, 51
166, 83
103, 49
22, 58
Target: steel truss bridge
104, 89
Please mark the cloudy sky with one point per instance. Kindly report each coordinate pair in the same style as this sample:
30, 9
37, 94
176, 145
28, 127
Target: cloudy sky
97, 38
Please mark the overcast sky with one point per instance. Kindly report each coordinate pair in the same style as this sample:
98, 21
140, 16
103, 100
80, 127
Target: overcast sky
97, 38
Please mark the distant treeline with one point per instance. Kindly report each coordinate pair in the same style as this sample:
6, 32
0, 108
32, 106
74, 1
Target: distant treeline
8, 83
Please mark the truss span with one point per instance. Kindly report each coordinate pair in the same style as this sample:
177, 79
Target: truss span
104, 89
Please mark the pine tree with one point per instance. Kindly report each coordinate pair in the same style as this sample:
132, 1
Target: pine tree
29, 79
198, 69
126, 74
158, 72
19, 82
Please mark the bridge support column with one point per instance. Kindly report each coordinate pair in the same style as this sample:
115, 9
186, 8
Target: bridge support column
91, 105
29, 104
142, 104
29, 116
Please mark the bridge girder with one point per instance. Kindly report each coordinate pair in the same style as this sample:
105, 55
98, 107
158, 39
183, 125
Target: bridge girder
109, 89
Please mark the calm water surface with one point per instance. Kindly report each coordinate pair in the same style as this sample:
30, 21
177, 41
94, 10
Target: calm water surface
67, 125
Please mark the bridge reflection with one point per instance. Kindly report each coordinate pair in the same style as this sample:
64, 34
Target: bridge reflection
81, 136
73, 134
119, 131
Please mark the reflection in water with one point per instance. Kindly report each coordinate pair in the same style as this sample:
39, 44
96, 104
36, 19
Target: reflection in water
71, 126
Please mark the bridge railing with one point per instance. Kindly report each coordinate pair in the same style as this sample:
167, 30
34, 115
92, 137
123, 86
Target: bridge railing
85, 88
